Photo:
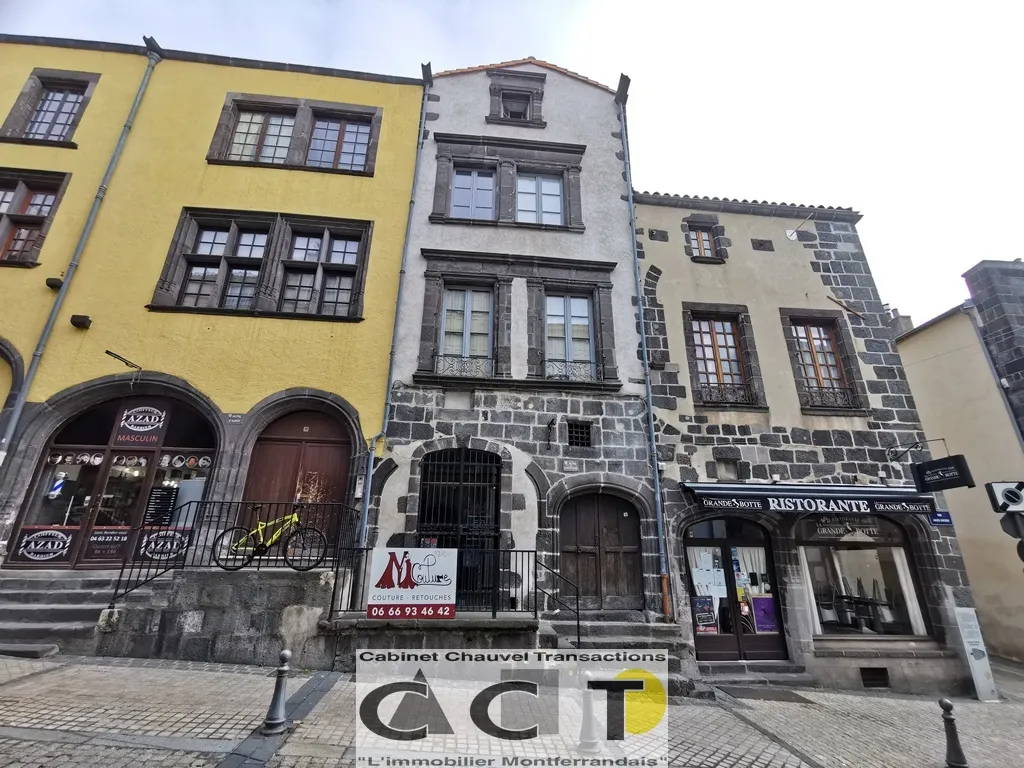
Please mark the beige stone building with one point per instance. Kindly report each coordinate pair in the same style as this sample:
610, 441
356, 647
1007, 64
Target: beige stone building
961, 369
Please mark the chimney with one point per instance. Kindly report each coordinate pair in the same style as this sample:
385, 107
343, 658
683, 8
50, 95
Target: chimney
900, 324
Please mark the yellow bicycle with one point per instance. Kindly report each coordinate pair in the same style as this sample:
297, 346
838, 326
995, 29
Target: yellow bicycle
304, 548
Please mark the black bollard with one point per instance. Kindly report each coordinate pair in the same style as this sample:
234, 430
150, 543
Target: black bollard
954, 752
276, 721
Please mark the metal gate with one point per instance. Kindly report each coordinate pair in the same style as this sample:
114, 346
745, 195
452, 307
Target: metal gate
459, 508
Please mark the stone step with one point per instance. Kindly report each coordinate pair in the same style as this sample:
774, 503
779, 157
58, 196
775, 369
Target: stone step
46, 632
50, 613
29, 650
55, 596
740, 668
41, 582
783, 679
596, 616
615, 628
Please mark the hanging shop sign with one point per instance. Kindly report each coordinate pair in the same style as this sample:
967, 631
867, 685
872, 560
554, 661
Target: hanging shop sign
412, 584
43, 544
820, 504
942, 474
141, 423
162, 544
106, 543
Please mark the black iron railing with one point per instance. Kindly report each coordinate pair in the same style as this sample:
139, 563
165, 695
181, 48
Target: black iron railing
488, 581
729, 394
194, 536
570, 370
564, 593
828, 397
456, 365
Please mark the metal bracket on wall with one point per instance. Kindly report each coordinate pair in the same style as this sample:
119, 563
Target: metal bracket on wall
894, 454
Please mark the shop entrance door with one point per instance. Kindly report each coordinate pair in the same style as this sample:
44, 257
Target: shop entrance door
734, 600
600, 542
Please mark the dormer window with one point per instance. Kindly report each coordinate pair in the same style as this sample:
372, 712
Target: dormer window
515, 106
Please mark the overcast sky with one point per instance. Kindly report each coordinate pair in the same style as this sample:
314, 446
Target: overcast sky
908, 112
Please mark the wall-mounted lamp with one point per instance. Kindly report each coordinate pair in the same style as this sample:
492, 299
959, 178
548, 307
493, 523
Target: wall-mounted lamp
81, 321
54, 283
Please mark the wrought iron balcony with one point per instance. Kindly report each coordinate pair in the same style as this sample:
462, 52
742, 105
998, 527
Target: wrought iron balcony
456, 365
570, 370
729, 394
828, 397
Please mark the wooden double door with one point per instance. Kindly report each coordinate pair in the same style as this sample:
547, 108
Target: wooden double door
601, 553
303, 457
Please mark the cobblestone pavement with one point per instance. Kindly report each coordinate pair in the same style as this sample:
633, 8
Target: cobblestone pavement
103, 713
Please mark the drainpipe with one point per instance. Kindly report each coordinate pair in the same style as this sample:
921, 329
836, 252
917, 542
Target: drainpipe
428, 80
666, 603
971, 311
155, 55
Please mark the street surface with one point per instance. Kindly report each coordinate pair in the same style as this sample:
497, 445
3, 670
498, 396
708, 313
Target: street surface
119, 713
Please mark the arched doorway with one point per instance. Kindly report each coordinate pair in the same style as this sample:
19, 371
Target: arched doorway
734, 598
302, 458
600, 543
118, 466
460, 507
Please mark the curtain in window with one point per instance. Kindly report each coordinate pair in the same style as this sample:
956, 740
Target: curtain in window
454, 322
580, 308
479, 327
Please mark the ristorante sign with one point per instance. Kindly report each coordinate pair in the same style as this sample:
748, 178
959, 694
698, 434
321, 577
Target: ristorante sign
821, 504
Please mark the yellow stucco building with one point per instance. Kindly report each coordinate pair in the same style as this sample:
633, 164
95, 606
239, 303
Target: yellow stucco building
225, 333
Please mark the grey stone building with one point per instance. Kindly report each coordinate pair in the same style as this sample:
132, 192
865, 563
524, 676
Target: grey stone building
517, 418
798, 544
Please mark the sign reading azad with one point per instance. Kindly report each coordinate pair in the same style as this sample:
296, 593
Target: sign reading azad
412, 584
942, 474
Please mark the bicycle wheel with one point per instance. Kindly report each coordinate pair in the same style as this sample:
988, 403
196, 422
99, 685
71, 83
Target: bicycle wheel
234, 548
305, 549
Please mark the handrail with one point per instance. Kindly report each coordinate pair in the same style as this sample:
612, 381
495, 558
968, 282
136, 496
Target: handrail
556, 598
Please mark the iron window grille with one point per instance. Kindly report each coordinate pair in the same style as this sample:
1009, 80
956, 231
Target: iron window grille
578, 434
569, 349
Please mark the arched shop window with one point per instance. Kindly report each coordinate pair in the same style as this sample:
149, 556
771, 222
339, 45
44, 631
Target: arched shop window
859, 576
121, 464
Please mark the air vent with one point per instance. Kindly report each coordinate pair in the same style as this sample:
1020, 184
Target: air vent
874, 677
578, 434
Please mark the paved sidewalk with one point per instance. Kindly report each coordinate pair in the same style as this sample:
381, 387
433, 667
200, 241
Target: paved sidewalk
96, 713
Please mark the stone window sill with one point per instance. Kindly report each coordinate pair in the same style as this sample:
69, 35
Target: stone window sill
252, 313
810, 411
20, 264
495, 120
706, 260
436, 218
367, 172
38, 142
730, 407
472, 382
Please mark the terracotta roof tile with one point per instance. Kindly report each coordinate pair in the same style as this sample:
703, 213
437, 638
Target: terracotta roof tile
527, 60
753, 206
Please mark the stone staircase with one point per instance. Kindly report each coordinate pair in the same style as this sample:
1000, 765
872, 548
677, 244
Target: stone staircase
628, 631
46, 612
743, 674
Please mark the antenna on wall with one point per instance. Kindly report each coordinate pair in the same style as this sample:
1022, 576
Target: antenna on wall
791, 233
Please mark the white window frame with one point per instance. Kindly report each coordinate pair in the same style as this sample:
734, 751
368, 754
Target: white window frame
538, 211
474, 173
468, 290
567, 323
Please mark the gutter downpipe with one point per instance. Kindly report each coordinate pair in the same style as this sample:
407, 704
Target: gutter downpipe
155, 55
428, 80
666, 603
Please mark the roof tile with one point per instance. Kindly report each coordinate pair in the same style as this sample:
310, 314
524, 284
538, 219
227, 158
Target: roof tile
527, 60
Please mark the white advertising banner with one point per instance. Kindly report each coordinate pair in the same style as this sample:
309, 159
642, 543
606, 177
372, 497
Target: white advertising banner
412, 584
976, 654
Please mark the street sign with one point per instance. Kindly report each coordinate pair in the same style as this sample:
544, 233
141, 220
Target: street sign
412, 584
942, 474
942, 517
1006, 496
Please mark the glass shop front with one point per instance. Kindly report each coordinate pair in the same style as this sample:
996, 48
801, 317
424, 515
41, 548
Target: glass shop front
108, 475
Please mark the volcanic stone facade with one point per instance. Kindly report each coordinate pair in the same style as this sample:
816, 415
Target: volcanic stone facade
779, 432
